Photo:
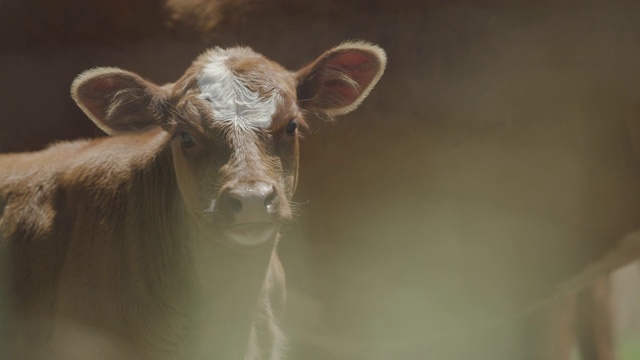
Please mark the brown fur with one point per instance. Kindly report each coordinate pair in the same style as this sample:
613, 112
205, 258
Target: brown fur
119, 235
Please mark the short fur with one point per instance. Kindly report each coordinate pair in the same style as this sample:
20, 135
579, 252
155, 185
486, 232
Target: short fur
130, 235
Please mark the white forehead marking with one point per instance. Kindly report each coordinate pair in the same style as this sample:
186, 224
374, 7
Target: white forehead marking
231, 101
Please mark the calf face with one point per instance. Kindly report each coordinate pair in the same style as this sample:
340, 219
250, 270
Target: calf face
234, 117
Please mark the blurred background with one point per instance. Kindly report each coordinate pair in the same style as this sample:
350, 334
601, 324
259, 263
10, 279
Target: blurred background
495, 161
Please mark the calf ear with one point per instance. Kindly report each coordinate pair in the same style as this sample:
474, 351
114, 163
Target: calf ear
118, 101
338, 81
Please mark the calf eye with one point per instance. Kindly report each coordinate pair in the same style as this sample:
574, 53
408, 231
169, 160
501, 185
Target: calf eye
187, 140
291, 127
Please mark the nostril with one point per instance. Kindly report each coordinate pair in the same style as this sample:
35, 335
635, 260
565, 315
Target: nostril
251, 199
234, 203
268, 200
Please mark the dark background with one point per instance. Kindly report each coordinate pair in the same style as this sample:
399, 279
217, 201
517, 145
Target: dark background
494, 160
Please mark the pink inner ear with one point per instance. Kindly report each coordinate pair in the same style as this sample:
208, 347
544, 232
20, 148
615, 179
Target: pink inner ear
358, 66
107, 84
348, 93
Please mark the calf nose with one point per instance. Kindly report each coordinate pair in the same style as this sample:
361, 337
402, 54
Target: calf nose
251, 202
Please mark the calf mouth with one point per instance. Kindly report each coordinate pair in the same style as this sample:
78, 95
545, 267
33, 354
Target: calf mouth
251, 233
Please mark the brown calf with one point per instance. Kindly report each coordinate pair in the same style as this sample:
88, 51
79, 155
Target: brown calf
160, 240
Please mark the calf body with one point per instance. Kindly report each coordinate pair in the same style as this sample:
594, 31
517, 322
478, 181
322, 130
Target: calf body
159, 242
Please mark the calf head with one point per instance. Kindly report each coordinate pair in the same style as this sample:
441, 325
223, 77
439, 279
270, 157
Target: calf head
234, 119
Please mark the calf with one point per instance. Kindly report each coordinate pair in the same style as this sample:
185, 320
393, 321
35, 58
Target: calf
158, 242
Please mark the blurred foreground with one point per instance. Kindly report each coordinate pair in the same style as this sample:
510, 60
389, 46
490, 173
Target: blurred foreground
494, 162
